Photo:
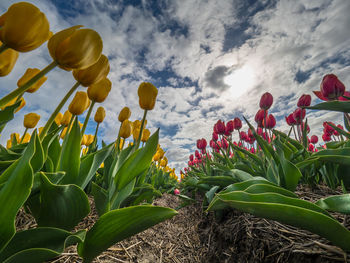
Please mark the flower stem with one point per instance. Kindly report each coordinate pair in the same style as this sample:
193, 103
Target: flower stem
27, 85
25, 131
57, 110
87, 118
3, 48
142, 125
98, 124
118, 139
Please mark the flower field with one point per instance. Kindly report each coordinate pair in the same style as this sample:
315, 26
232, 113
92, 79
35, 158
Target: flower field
78, 193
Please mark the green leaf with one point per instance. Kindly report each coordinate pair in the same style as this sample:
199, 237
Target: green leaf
241, 175
15, 191
70, 155
335, 105
62, 206
7, 114
119, 224
291, 175
336, 203
290, 211
217, 180
137, 163
340, 131
39, 244
122, 194
210, 194
101, 199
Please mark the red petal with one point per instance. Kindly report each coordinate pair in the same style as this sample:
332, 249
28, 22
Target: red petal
319, 95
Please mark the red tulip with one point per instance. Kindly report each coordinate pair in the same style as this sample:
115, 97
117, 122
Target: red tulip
230, 126
224, 143
290, 120
243, 135
326, 137
299, 115
331, 87
311, 147
176, 192
191, 157
215, 136
266, 101
259, 117
259, 130
270, 121
197, 154
237, 123
327, 129
320, 96
314, 139
201, 144
219, 127
304, 100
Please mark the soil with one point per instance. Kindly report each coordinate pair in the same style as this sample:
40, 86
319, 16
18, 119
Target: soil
193, 236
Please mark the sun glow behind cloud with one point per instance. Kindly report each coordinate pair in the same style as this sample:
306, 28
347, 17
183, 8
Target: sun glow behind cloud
241, 81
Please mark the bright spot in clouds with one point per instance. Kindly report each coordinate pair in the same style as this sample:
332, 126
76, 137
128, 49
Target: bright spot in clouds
240, 81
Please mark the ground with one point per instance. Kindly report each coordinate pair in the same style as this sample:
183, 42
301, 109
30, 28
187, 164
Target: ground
193, 236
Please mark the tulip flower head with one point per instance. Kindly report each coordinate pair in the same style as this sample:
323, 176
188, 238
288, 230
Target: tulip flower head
304, 100
24, 27
125, 114
100, 115
145, 135
31, 120
290, 120
215, 136
314, 139
201, 144
331, 87
79, 103
266, 101
299, 115
259, 117
66, 118
93, 74
8, 60
99, 91
270, 121
58, 118
230, 126
147, 93
30, 73
176, 192
75, 48
237, 123
26, 138
125, 129
219, 127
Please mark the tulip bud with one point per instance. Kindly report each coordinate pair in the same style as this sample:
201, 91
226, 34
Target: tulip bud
125, 114
259, 117
332, 87
66, 118
79, 103
270, 121
147, 93
26, 138
290, 120
31, 120
177, 191
215, 136
93, 74
23, 27
63, 133
145, 135
326, 137
304, 100
29, 74
136, 124
8, 60
230, 126
201, 144
266, 101
219, 127
314, 139
156, 157
299, 115
311, 147
75, 48
237, 123
125, 129
84, 139
135, 134
164, 162
58, 118
99, 91
100, 115
8, 144
89, 139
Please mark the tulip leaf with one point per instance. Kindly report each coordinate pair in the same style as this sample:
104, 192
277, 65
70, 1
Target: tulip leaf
70, 155
340, 131
15, 191
292, 211
90, 164
291, 175
120, 196
241, 175
346, 123
54, 153
137, 162
335, 105
62, 206
336, 203
119, 224
8, 154
210, 194
101, 199
7, 113
38, 158
39, 245
218, 180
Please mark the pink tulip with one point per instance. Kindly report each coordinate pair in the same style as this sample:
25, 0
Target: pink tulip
237, 123
331, 87
304, 100
266, 101
176, 192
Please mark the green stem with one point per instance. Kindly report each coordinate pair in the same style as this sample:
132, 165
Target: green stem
118, 138
19, 97
87, 118
25, 131
3, 47
27, 85
57, 110
98, 124
140, 134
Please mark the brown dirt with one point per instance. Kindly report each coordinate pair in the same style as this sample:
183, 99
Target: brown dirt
193, 236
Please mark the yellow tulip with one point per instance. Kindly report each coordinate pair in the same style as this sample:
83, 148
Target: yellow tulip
63, 133
147, 95
161, 153
23, 27
66, 118
8, 60
125, 129
163, 163
136, 124
90, 139
135, 133
79, 103
99, 91
8, 144
15, 136
26, 138
31, 120
84, 139
23, 103
145, 135
80, 124
156, 157
75, 48
121, 144
29, 74
100, 115
125, 114
59, 118
94, 73
102, 165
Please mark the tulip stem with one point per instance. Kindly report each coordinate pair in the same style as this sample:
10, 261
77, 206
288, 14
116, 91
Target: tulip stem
27, 85
98, 124
57, 110
19, 97
25, 131
3, 47
87, 118
142, 125
117, 141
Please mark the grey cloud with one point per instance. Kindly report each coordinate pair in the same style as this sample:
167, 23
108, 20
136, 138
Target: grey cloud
214, 78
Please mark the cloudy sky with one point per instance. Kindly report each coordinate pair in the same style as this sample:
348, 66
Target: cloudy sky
209, 59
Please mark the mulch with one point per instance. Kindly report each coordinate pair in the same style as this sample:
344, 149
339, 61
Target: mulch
193, 236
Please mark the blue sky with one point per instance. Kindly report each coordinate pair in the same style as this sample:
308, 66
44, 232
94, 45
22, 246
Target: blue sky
210, 60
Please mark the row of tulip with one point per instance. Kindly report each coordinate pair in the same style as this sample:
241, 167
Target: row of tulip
259, 173
50, 171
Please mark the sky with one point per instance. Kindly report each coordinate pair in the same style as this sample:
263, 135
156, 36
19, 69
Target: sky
210, 60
